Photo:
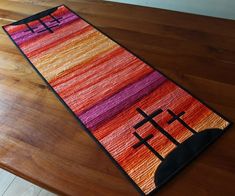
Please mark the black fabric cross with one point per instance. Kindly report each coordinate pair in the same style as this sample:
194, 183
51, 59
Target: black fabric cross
144, 141
47, 28
55, 19
149, 118
177, 117
30, 28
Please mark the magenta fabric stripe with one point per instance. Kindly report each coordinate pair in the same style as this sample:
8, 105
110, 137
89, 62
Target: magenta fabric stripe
123, 99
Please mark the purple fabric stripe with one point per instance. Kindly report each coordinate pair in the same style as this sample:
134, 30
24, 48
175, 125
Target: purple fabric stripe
21, 32
25, 36
123, 99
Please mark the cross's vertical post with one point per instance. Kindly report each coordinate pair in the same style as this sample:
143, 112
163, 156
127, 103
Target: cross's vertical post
178, 118
144, 141
149, 118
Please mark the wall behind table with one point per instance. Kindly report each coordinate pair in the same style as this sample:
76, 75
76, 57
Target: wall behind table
216, 8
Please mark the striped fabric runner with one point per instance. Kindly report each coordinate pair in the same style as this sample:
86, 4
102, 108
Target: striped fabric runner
137, 114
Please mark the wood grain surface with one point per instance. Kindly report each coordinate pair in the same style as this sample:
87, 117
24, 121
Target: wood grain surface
43, 143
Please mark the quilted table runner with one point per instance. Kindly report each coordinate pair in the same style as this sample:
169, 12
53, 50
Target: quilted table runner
150, 127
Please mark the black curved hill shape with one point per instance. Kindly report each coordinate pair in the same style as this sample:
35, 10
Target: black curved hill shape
184, 153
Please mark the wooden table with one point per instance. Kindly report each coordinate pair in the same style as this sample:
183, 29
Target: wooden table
43, 143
